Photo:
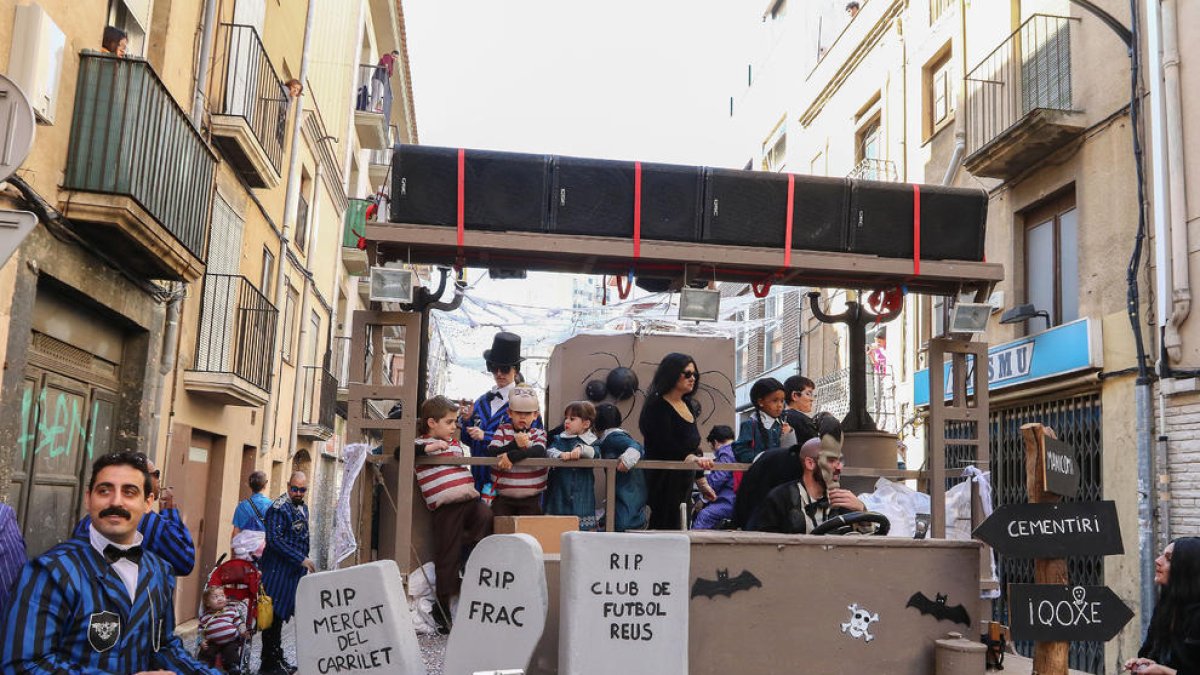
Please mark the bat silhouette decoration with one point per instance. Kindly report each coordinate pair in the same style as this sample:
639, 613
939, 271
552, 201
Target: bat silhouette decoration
724, 584
938, 609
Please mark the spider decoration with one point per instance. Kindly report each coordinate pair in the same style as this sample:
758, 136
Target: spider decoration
621, 383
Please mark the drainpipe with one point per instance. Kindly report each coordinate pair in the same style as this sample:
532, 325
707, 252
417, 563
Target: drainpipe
1158, 187
960, 148
167, 365
290, 206
1181, 295
206, 43
960, 136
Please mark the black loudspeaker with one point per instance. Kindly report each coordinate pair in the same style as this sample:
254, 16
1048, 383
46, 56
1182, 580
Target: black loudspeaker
502, 190
749, 208
596, 196
953, 221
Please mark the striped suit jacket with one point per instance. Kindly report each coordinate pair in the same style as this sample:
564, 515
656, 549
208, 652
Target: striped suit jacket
164, 534
71, 614
287, 547
12, 553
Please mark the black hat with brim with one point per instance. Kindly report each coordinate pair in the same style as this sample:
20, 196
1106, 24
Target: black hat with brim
505, 351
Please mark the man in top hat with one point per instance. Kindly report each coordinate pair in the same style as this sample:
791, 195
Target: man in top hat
491, 410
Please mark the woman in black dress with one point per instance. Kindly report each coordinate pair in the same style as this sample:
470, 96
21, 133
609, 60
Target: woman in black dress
668, 426
1172, 643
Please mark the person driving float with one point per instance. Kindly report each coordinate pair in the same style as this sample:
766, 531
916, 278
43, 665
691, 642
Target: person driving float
800, 507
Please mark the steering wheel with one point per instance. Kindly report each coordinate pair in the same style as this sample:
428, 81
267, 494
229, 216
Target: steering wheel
844, 524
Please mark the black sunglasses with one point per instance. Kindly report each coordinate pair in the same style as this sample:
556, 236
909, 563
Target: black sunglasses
502, 370
297, 490
689, 374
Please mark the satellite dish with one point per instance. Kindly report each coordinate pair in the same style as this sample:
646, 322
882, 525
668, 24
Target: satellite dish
17, 126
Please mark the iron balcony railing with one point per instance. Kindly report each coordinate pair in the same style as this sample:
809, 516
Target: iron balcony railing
1031, 70
875, 169
355, 225
129, 137
237, 330
320, 397
374, 92
249, 87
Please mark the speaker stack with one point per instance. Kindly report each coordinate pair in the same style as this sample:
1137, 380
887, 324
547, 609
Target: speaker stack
749, 208
568, 195
596, 197
502, 190
882, 221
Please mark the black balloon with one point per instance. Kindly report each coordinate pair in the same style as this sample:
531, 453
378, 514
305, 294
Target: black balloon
621, 382
595, 391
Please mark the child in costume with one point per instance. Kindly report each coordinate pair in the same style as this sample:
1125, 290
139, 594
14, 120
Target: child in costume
571, 492
764, 429
519, 488
460, 520
718, 513
222, 624
616, 443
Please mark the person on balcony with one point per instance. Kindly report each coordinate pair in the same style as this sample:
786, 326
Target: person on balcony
114, 41
381, 87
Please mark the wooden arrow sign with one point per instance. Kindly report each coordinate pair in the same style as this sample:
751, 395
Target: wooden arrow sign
1048, 612
1053, 530
1061, 468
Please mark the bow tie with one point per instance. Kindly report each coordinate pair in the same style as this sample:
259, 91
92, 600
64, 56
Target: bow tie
494, 394
112, 554
812, 508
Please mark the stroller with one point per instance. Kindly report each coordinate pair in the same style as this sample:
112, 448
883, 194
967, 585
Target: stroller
241, 580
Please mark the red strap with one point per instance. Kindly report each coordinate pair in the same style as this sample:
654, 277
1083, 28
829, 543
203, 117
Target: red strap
637, 210
462, 193
916, 228
761, 288
623, 290
787, 242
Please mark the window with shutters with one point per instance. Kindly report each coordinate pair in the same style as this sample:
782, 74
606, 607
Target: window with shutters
938, 78
1052, 260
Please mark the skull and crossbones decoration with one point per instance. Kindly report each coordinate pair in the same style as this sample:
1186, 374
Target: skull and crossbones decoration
861, 619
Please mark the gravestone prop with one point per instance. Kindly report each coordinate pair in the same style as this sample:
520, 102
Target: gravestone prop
624, 604
502, 608
355, 620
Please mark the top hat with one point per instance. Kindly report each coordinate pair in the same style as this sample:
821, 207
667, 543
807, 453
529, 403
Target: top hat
505, 351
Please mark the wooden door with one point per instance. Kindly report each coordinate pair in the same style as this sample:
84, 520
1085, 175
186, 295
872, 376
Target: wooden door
189, 477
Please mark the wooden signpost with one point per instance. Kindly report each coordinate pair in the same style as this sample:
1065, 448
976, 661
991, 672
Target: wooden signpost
1051, 611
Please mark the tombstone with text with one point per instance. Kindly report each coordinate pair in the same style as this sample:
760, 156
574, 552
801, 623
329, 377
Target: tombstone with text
624, 604
502, 609
355, 620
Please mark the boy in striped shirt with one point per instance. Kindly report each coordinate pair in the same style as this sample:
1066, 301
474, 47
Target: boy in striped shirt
221, 625
519, 488
460, 520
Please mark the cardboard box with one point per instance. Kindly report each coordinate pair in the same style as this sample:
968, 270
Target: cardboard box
547, 530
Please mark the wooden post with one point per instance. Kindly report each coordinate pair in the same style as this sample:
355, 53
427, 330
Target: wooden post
1049, 658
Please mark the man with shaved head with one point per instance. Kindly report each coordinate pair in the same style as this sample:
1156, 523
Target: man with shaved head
285, 559
797, 507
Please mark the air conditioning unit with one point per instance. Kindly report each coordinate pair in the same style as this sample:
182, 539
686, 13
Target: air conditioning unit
35, 58
391, 285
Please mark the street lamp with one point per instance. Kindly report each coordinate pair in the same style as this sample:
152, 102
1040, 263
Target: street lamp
1023, 313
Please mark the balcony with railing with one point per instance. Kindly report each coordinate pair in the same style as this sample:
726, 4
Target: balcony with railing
1019, 100
341, 365
319, 406
250, 106
875, 169
372, 107
354, 228
379, 165
234, 342
138, 174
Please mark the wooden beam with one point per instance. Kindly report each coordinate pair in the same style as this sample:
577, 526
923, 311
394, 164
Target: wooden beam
611, 255
1049, 658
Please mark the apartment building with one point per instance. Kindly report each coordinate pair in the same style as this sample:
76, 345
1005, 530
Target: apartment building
1030, 101
185, 289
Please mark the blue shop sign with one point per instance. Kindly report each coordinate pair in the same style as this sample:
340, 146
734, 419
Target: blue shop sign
1060, 350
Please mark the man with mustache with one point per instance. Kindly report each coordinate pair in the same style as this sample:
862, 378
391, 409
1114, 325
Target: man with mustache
285, 559
164, 532
101, 604
797, 507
